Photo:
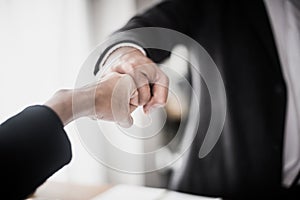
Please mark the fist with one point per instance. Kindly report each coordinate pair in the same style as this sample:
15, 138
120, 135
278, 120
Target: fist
152, 84
116, 97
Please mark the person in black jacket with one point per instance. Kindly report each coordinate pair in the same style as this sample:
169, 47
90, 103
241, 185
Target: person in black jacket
34, 145
255, 45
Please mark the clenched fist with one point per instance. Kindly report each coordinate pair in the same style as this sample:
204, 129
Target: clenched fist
152, 84
113, 98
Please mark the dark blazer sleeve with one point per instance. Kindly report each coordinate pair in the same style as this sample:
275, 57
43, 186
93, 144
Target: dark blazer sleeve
33, 146
170, 14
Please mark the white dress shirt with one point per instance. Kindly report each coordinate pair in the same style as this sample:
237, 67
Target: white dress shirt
285, 20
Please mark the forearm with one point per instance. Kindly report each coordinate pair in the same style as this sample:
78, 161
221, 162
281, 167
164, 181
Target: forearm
97, 101
70, 105
33, 145
61, 104
170, 14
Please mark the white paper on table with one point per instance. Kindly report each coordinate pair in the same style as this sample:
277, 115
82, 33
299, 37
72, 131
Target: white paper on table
130, 192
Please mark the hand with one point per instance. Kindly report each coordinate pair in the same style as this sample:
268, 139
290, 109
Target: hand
116, 98
112, 99
151, 82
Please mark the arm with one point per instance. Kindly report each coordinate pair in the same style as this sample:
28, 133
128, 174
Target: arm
170, 14
111, 99
34, 145
152, 83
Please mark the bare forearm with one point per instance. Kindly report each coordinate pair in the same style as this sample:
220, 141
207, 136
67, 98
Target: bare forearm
61, 104
73, 104
115, 91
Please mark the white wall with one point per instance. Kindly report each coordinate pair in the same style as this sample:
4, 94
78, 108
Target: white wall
42, 45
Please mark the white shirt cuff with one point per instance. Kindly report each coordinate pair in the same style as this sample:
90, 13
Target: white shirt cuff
117, 46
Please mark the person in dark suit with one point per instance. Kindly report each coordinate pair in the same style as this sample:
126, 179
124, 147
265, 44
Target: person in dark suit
34, 145
255, 45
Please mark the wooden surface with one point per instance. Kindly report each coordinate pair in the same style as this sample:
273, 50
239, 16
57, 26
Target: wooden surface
66, 191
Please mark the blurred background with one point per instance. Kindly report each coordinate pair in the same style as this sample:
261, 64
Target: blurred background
42, 46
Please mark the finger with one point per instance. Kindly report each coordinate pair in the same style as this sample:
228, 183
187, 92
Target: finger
144, 95
159, 85
159, 91
126, 92
126, 122
143, 75
140, 75
159, 98
132, 108
142, 83
134, 100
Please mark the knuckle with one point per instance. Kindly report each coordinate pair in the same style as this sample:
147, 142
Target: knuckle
115, 68
144, 98
160, 101
142, 82
126, 80
117, 76
166, 80
163, 77
113, 73
129, 65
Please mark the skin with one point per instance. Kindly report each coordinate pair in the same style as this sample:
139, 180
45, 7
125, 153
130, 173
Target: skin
142, 84
95, 100
152, 84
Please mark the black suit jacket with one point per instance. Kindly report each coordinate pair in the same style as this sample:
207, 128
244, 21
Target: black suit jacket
237, 34
33, 146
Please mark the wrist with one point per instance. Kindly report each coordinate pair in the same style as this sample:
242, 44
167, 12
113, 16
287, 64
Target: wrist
120, 52
84, 101
123, 45
61, 104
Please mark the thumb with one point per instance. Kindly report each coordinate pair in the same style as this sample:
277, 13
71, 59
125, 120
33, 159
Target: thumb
126, 122
123, 91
